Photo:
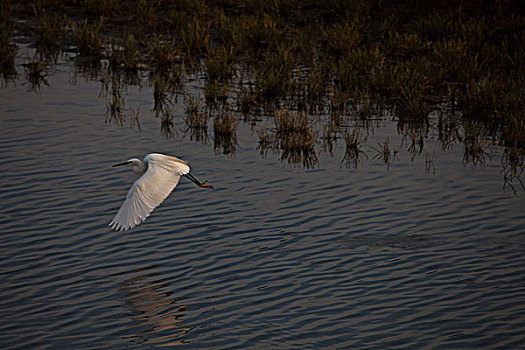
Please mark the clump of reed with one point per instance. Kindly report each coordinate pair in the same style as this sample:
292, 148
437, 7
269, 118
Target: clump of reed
226, 30
166, 82
316, 85
216, 93
124, 53
274, 75
195, 38
99, 8
164, 51
385, 152
295, 137
167, 121
353, 147
146, 14
225, 130
474, 144
8, 49
409, 91
88, 36
112, 92
195, 119
51, 29
514, 157
265, 140
218, 67
260, 31
219, 63
247, 99
340, 38
36, 74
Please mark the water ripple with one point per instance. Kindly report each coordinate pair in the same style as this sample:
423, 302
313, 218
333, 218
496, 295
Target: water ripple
275, 257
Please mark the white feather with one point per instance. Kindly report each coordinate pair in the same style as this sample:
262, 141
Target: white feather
150, 190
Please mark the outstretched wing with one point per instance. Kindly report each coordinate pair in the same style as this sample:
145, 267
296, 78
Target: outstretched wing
149, 190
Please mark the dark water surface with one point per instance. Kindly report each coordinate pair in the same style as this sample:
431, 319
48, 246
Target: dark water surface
275, 257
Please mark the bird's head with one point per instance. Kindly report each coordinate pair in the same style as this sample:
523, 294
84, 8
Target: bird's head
138, 166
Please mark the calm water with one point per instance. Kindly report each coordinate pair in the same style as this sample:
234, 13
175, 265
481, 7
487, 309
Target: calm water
275, 257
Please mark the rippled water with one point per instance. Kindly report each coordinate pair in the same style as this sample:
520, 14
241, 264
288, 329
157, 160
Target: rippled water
276, 256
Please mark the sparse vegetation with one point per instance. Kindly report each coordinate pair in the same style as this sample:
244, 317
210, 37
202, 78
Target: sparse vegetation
225, 130
36, 75
87, 36
51, 30
463, 62
124, 53
354, 142
7, 48
163, 51
100, 8
295, 137
195, 119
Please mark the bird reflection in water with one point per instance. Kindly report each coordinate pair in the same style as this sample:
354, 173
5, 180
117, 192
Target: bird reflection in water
157, 313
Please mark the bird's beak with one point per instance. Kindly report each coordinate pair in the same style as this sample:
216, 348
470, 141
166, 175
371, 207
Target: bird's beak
123, 163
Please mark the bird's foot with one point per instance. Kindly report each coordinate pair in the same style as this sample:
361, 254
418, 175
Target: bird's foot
205, 185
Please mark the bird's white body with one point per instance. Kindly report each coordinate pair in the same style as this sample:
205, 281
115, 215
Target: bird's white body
161, 173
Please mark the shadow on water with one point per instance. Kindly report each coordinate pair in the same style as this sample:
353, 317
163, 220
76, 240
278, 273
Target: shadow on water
156, 312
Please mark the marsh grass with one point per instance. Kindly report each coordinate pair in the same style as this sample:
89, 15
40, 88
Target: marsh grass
195, 39
164, 51
88, 36
429, 163
166, 84
292, 136
346, 59
265, 140
354, 142
385, 152
340, 38
316, 85
513, 167
220, 63
409, 88
51, 29
226, 30
274, 76
124, 53
36, 75
114, 98
8, 49
135, 120
97, 8
295, 137
195, 119
146, 14
247, 100
167, 121
474, 144
416, 141
225, 132
260, 31
216, 94
160, 92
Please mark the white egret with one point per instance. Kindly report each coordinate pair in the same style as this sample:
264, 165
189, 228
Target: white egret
161, 173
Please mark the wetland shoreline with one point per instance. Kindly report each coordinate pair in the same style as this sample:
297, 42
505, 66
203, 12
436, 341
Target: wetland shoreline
302, 73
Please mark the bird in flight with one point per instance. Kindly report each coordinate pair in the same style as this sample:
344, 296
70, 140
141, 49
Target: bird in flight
160, 175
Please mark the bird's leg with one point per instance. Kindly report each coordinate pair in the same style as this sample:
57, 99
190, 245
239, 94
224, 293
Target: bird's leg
197, 182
